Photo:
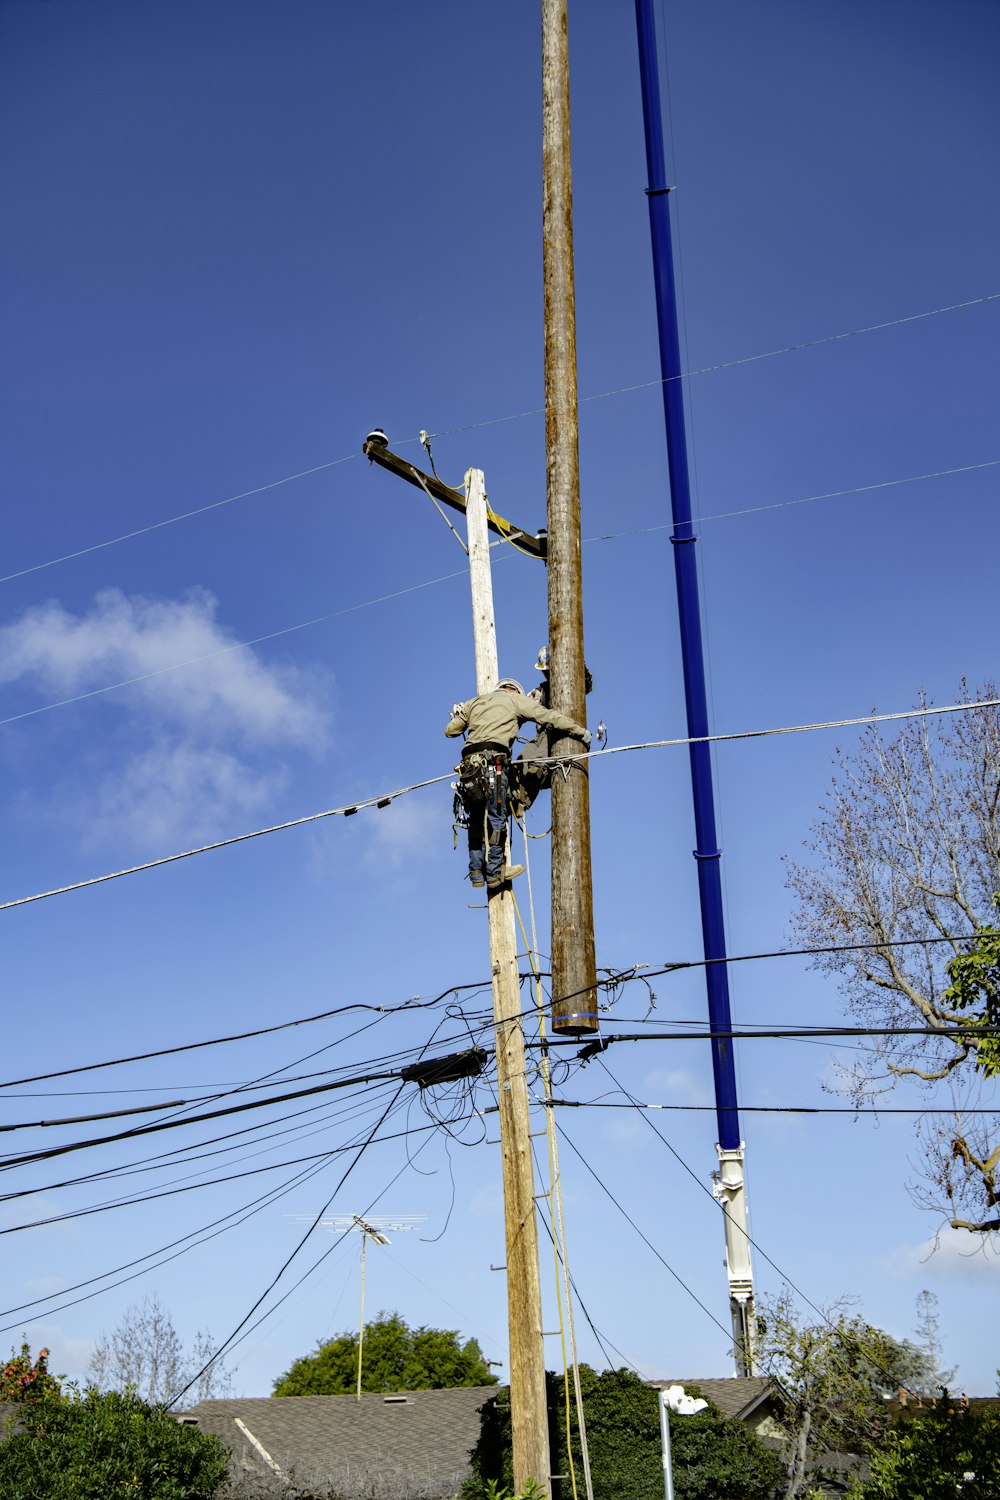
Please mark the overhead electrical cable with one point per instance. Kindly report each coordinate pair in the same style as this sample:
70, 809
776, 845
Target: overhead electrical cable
780, 1109
269, 1312
187, 1242
8, 1162
186, 515
191, 1187
417, 1002
646, 1241
288, 1260
192, 661
756, 510
383, 799
534, 411
731, 364
608, 536
181, 1156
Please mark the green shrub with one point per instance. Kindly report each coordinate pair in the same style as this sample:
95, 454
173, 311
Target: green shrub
714, 1458
928, 1452
108, 1447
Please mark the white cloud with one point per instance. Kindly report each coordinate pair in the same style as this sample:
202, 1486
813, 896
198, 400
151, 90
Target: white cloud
229, 690
171, 787
67, 1356
402, 830
30, 1210
190, 747
41, 1287
953, 1254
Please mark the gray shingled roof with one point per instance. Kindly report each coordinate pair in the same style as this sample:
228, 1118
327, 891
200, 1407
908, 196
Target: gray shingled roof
416, 1443
738, 1396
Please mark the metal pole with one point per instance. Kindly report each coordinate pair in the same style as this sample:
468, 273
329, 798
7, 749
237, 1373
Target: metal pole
574, 975
528, 1411
707, 854
361, 1334
668, 1467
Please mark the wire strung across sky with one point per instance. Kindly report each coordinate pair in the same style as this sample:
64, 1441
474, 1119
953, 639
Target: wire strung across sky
288, 1261
515, 416
414, 588
610, 978
383, 799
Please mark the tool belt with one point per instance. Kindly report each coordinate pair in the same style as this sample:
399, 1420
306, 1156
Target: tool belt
482, 773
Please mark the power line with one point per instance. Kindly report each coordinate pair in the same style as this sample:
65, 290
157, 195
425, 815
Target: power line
186, 515
755, 510
769, 1109
731, 364
247, 1210
191, 1187
192, 661
182, 1156
611, 978
287, 1262
447, 577
241, 838
8, 1162
711, 1196
534, 411
416, 1003
958, 1033
385, 798
627, 1216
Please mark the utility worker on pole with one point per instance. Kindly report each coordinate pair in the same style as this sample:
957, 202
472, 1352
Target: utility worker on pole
490, 723
533, 768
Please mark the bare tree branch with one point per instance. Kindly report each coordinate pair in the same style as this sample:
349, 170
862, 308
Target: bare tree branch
907, 847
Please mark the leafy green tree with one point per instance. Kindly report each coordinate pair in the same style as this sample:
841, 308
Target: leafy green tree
396, 1358
714, 1458
937, 1454
23, 1378
836, 1375
907, 861
108, 1447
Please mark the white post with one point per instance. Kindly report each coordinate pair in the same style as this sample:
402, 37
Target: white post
668, 1468
729, 1188
529, 1418
361, 1333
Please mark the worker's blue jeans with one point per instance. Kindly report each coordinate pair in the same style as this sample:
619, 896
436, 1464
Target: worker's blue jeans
488, 825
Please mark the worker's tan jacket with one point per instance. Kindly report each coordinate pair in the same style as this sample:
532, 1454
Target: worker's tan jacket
494, 718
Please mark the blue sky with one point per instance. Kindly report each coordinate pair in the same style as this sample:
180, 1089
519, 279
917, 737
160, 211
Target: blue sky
238, 237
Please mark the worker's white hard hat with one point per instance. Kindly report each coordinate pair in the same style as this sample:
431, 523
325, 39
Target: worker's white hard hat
510, 682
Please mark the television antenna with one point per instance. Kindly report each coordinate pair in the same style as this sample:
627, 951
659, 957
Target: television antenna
372, 1228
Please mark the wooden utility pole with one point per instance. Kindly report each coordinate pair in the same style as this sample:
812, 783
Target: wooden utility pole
529, 1418
574, 975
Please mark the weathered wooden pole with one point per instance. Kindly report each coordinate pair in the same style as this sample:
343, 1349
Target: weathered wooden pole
529, 1417
574, 1008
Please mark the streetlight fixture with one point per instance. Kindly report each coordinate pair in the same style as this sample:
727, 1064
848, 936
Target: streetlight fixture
674, 1399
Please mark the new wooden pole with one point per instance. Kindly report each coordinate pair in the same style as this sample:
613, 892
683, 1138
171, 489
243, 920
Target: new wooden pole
529, 1420
574, 1006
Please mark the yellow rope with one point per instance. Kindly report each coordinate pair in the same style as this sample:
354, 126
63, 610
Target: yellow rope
549, 1194
559, 1226
505, 528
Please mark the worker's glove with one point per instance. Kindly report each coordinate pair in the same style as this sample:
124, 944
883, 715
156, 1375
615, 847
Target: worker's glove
586, 738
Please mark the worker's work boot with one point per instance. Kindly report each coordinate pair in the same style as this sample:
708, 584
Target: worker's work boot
477, 879
509, 872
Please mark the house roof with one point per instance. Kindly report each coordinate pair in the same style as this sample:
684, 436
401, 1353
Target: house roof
417, 1442
738, 1396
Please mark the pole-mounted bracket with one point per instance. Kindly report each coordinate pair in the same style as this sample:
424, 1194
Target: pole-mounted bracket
376, 449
